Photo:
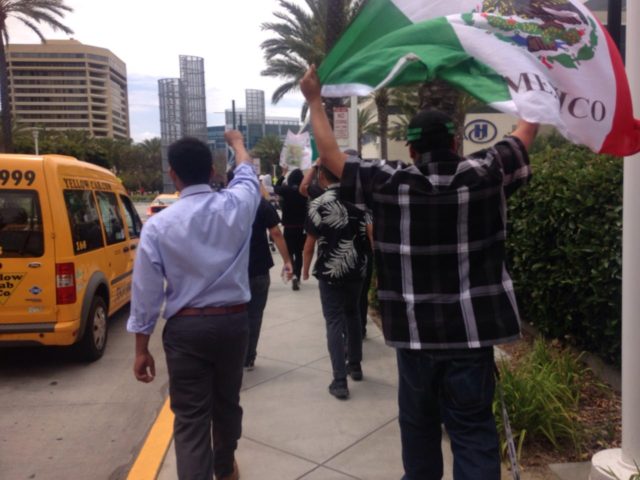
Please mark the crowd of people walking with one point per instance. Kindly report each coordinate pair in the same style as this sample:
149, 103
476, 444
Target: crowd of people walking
436, 229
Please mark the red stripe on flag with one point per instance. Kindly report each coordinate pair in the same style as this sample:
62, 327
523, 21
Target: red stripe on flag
624, 138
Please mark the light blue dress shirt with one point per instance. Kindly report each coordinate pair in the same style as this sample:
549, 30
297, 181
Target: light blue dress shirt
200, 247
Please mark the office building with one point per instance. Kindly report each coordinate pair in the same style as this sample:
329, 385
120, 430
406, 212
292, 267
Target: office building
183, 109
64, 84
252, 122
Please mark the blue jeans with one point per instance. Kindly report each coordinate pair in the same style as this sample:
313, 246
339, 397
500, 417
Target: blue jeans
340, 307
259, 286
454, 387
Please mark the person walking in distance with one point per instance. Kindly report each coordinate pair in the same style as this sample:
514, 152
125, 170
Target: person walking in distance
294, 211
340, 230
446, 297
194, 256
260, 262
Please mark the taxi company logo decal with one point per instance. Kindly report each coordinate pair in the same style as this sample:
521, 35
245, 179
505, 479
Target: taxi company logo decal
8, 283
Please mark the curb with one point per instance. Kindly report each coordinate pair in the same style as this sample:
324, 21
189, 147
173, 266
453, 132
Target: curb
151, 457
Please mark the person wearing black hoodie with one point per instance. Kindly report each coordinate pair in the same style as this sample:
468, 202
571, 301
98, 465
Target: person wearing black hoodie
294, 212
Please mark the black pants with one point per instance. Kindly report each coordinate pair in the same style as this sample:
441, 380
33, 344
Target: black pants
295, 238
364, 294
259, 286
205, 356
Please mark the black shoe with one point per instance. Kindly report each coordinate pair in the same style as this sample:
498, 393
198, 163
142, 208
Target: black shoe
249, 364
295, 283
355, 371
339, 389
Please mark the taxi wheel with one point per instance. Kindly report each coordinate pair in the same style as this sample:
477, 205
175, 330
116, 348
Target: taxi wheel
94, 341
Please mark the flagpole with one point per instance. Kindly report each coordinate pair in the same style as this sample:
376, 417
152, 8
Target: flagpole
619, 463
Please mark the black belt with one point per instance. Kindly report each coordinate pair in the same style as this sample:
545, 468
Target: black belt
204, 311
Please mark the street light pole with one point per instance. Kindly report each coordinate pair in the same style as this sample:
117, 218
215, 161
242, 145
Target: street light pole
36, 132
622, 462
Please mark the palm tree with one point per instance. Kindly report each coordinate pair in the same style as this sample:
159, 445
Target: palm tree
443, 96
301, 38
381, 99
268, 151
31, 13
405, 103
367, 126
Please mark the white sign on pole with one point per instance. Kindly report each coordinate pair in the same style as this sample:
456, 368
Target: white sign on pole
341, 123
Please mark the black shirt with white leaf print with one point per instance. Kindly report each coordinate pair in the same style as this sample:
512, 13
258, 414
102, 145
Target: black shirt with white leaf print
340, 229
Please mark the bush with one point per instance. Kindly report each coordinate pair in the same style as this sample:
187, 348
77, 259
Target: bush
565, 247
542, 394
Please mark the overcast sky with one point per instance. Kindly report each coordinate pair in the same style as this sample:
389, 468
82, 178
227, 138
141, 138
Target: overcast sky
149, 36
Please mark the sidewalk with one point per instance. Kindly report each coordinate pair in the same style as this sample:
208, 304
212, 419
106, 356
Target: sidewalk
292, 427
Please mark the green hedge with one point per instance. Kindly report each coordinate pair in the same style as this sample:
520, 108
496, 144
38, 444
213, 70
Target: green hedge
565, 244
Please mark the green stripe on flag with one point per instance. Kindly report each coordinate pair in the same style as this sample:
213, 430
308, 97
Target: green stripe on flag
377, 18
420, 52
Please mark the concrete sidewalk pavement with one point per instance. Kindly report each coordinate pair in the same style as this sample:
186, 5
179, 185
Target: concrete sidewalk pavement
292, 427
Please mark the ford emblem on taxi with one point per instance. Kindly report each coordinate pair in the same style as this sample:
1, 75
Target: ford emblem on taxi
35, 290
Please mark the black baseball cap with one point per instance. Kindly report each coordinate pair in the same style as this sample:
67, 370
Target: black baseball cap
430, 123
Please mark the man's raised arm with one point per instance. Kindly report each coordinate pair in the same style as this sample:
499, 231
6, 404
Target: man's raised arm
236, 141
526, 132
330, 153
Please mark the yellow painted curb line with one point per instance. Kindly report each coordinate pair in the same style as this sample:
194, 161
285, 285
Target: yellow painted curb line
147, 465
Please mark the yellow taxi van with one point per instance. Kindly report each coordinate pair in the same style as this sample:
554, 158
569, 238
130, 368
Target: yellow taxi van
68, 235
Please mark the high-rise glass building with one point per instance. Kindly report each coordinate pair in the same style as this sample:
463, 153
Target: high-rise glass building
252, 122
183, 110
194, 105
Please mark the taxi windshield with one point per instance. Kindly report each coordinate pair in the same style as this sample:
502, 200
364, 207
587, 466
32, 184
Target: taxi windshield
20, 224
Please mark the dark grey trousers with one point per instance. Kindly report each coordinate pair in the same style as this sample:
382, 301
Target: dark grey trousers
341, 310
259, 286
205, 356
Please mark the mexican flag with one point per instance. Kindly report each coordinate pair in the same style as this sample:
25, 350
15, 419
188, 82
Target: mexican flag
546, 61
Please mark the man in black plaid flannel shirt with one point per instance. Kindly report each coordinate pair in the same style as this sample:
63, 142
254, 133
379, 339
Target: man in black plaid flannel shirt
445, 294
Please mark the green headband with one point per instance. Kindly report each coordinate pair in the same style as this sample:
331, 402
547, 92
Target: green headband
415, 133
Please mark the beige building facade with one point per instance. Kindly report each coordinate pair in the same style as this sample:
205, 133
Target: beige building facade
64, 84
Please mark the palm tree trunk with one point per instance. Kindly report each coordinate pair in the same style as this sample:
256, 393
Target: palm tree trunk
335, 25
382, 105
440, 95
7, 134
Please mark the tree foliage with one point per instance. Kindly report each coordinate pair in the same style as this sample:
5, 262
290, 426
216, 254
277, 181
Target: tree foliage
565, 247
139, 166
268, 151
299, 40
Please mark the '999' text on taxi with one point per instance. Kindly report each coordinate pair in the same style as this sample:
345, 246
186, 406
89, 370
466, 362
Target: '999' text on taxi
68, 235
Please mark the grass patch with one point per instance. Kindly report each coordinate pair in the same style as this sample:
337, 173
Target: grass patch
542, 392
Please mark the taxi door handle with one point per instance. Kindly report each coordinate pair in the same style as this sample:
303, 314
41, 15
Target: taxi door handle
125, 249
133, 247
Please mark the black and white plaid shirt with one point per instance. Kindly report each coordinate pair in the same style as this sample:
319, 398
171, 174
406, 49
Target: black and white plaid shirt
439, 233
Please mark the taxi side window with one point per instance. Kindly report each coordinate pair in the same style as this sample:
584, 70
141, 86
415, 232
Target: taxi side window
111, 217
134, 224
84, 220
20, 224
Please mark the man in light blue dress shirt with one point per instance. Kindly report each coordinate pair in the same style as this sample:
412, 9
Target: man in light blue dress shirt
193, 257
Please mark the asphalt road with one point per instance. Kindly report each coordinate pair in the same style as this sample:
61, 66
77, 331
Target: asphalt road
65, 420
